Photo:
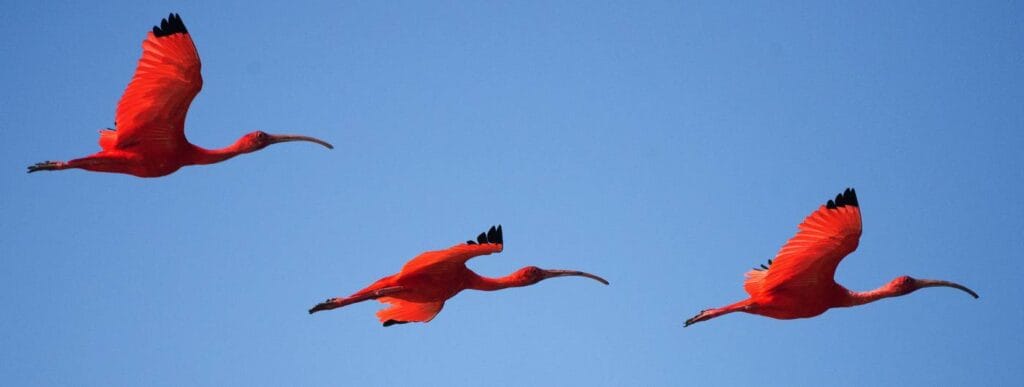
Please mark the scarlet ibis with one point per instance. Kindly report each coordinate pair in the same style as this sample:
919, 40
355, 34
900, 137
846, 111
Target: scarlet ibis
799, 282
418, 292
149, 139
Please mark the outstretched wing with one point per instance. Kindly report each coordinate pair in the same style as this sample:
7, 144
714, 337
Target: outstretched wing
486, 243
810, 258
152, 110
401, 311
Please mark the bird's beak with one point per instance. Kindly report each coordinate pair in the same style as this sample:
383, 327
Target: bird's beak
925, 283
566, 273
276, 138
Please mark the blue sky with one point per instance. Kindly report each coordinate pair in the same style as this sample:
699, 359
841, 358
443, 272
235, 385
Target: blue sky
667, 146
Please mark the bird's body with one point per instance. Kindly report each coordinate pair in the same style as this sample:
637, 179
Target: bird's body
799, 282
418, 292
149, 139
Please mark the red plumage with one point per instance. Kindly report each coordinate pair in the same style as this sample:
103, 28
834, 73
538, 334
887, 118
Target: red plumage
149, 135
799, 282
418, 291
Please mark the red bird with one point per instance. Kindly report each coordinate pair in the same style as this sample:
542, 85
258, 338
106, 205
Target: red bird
418, 292
799, 282
149, 139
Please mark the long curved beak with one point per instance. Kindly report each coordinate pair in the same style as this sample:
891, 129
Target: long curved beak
566, 273
276, 138
925, 283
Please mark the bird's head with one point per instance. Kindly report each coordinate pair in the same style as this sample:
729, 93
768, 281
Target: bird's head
906, 284
531, 274
257, 140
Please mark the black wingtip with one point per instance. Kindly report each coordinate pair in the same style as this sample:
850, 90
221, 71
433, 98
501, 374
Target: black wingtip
764, 267
847, 198
393, 322
170, 26
492, 235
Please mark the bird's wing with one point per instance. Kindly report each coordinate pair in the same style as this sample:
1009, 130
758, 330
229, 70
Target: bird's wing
486, 243
810, 258
401, 311
152, 110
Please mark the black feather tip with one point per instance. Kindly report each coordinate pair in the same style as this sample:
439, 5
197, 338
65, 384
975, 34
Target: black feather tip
393, 322
493, 235
170, 26
847, 198
764, 267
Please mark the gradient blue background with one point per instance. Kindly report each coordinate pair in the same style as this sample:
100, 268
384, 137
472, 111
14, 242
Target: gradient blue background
668, 146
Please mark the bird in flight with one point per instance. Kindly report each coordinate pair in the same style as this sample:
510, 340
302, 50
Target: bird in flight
149, 135
418, 292
799, 282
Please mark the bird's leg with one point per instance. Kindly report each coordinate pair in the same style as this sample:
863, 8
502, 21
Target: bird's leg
98, 162
708, 314
337, 302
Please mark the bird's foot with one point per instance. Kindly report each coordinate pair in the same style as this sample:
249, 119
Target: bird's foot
331, 303
46, 166
696, 319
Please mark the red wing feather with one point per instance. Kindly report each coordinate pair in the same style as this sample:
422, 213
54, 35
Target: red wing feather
401, 311
487, 243
454, 254
108, 139
152, 110
810, 258
753, 282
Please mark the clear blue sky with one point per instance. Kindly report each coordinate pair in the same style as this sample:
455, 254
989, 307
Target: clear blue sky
668, 147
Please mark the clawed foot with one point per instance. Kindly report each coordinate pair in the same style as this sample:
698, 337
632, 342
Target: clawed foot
45, 166
696, 319
331, 303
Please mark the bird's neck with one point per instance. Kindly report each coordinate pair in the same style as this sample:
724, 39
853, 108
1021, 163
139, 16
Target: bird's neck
860, 298
477, 282
200, 156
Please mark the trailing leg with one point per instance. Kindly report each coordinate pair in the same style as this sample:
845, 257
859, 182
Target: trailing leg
708, 314
337, 302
